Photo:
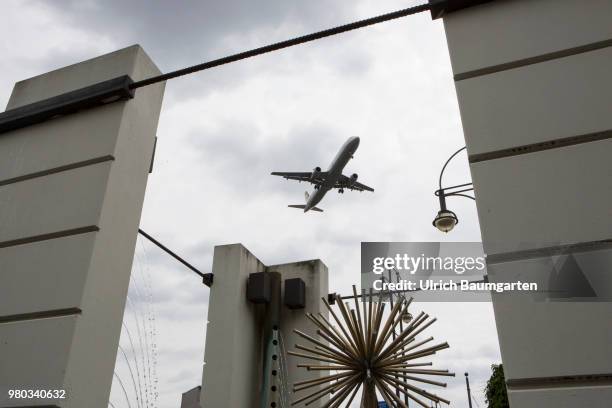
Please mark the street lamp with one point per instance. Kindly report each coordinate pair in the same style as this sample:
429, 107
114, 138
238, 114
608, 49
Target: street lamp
446, 220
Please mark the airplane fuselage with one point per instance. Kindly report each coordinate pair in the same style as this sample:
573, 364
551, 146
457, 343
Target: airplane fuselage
334, 172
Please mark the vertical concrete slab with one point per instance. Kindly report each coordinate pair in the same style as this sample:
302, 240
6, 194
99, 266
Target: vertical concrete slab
71, 195
191, 398
532, 85
570, 313
514, 107
519, 30
314, 273
234, 336
526, 202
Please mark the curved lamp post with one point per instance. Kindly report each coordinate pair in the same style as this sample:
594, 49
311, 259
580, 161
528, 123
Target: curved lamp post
446, 220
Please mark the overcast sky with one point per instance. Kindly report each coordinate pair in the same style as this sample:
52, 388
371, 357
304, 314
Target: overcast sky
222, 131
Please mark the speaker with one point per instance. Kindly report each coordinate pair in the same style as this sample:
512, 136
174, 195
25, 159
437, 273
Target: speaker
258, 287
295, 293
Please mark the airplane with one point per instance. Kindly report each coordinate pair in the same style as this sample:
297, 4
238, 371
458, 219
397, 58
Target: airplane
326, 180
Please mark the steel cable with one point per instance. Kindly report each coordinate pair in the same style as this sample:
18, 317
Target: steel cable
282, 44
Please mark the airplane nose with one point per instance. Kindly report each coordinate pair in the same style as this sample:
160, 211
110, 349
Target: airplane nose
355, 141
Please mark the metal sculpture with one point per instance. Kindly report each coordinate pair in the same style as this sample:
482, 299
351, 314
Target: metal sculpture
368, 357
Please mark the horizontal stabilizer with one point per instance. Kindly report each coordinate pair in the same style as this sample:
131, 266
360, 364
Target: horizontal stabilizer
301, 206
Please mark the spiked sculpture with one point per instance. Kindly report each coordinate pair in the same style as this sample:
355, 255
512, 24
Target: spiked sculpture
367, 357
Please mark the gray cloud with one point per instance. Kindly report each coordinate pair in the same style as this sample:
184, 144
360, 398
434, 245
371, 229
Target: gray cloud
243, 157
177, 33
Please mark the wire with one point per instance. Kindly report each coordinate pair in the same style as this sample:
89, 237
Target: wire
284, 371
172, 254
144, 333
139, 332
131, 374
283, 44
123, 388
151, 318
135, 362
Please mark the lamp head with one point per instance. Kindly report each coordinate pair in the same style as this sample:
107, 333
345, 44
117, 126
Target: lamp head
406, 317
445, 221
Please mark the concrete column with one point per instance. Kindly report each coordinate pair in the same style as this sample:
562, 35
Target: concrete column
233, 352
232, 363
533, 84
71, 194
315, 275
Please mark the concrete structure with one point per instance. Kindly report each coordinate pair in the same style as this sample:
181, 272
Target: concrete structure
233, 353
191, 398
71, 194
533, 84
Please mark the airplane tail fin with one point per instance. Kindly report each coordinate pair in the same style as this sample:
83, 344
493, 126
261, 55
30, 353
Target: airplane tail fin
301, 206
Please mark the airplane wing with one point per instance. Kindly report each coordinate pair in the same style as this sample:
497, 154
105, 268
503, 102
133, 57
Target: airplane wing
347, 183
307, 176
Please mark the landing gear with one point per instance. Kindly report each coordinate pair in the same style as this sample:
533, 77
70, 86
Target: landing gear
317, 187
341, 191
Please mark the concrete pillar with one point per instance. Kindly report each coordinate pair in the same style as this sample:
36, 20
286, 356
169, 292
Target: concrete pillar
191, 398
315, 276
71, 194
533, 84
233, 369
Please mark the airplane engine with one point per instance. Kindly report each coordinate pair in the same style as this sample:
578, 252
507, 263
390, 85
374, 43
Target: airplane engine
353, 179
315, 173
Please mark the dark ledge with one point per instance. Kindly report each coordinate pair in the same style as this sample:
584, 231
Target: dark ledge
440, 8
112, 90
